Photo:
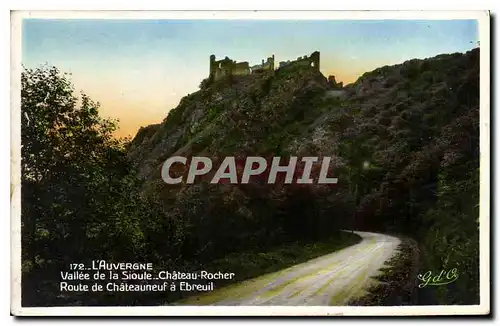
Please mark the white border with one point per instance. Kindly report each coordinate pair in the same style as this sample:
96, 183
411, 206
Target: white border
484, 38
256, 14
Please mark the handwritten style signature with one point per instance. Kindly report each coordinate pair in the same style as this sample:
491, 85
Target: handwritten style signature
445, 277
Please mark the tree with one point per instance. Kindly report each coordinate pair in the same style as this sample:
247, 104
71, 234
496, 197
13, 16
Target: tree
79, 198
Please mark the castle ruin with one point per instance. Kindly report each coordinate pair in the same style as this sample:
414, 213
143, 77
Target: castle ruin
227, 67
312, 61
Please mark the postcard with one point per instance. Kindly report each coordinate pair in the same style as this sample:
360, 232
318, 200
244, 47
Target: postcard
195, 163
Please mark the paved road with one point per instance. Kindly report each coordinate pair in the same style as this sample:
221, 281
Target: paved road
333, 279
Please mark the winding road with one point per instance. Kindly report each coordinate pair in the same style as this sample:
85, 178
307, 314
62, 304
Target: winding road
333, 279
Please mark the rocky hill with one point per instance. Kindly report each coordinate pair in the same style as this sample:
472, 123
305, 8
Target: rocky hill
405, 139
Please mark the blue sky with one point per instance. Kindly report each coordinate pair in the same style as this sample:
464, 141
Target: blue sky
139, 69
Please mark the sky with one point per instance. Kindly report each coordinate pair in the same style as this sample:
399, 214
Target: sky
140, 69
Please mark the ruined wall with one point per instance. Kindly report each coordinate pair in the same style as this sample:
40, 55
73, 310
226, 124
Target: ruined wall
312, 60
241, 69
268, 65
220, 68
333, 82
227, 67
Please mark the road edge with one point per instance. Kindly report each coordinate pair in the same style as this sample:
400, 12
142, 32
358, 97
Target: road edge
398, 284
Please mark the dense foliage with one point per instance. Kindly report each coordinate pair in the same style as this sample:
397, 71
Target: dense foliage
405, 147
419, 123
80, 199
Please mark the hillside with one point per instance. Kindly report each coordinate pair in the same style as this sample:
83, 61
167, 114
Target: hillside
405, 139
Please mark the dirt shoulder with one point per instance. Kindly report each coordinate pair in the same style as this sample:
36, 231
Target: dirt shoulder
398, 284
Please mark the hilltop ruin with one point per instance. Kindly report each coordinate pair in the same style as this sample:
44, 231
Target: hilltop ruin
227, 67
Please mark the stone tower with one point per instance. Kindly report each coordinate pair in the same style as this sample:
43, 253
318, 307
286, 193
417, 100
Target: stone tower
315, 59
213, 66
